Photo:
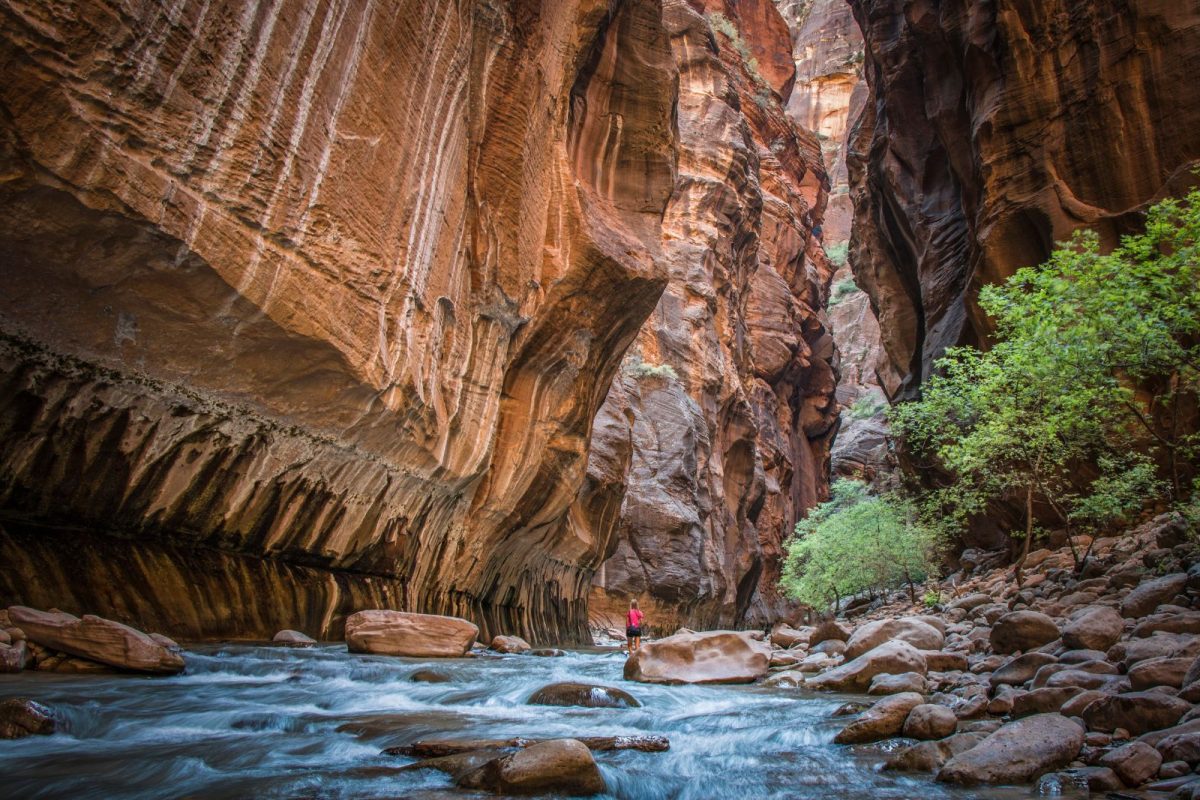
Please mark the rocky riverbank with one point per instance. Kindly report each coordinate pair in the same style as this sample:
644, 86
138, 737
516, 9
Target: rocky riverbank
1083, 676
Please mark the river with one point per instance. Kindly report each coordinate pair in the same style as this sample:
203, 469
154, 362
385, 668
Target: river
268, 722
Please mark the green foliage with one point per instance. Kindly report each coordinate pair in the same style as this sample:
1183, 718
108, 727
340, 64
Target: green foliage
867, 406
836, 253
644, 370
723, 24
856, 542
842, 290
932, 598
1095, 354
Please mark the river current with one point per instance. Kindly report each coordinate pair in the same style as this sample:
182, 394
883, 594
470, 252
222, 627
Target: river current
267, 722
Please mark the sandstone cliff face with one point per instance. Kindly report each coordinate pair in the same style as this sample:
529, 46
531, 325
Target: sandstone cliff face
994, 129
716, 430
829, 94
316, 302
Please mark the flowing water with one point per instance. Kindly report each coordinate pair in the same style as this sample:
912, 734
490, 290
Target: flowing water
265, 722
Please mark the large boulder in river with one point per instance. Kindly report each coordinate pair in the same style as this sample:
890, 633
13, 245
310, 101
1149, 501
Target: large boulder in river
402, 633
881, 721
706, 657
96, 639
510, 644
583, 694
918, 633
1093, 628
558, 766
1022, 630
1149, 595
1018, 752
855, 676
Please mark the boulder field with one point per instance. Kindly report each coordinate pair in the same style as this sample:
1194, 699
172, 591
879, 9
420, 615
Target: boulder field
1085, 674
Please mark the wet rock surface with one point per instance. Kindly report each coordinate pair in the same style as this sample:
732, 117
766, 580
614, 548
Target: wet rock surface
399, 633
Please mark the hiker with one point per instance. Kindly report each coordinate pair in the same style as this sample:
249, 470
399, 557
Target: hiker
633, 626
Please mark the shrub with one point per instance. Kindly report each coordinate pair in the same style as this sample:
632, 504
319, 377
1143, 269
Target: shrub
857, 542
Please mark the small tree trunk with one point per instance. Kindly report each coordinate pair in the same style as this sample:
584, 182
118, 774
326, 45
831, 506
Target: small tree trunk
1028, 533
1173, 450
912, 592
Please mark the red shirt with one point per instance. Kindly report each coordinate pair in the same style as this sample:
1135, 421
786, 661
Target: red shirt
634, 618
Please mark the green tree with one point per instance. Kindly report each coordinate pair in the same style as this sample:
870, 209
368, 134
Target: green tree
856, 542
1094, 365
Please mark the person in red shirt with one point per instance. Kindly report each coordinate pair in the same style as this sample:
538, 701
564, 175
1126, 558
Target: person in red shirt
633, 626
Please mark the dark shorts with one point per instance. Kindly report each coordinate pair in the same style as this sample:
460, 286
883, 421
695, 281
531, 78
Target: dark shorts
632, 632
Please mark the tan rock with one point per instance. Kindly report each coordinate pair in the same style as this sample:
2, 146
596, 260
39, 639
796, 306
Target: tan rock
930, 756
402, 633
785, 636
510, 644
96, 639
709, 657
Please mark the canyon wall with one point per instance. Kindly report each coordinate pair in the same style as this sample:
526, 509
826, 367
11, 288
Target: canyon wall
716, 431
309, 306
994, 129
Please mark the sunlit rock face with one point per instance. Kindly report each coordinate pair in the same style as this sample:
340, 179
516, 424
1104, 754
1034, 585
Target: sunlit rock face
994, 129
716, 430
829, 94
313, 304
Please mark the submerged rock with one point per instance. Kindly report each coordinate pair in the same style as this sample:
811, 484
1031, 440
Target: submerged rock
709, 657
429, 676
21, 717
402, 633
96, 639
583, 694
290, 638
435, 748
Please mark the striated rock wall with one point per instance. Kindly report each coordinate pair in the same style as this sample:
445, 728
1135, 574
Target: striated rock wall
994, 129
330, 291
715, 434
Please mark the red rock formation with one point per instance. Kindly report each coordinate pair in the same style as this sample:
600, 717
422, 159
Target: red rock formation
994, 129
715, 433
329, 290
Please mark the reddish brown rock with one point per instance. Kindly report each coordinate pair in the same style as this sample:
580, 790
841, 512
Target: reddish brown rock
96, 639
895, 658
1017, 752
1135, 763
714, 436
882, 720
928, 721
399, 633
1022, 630
559, 766
710, 657
919, 634
230, 331
1095, 628
992, 131
510, 644
1136, 712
